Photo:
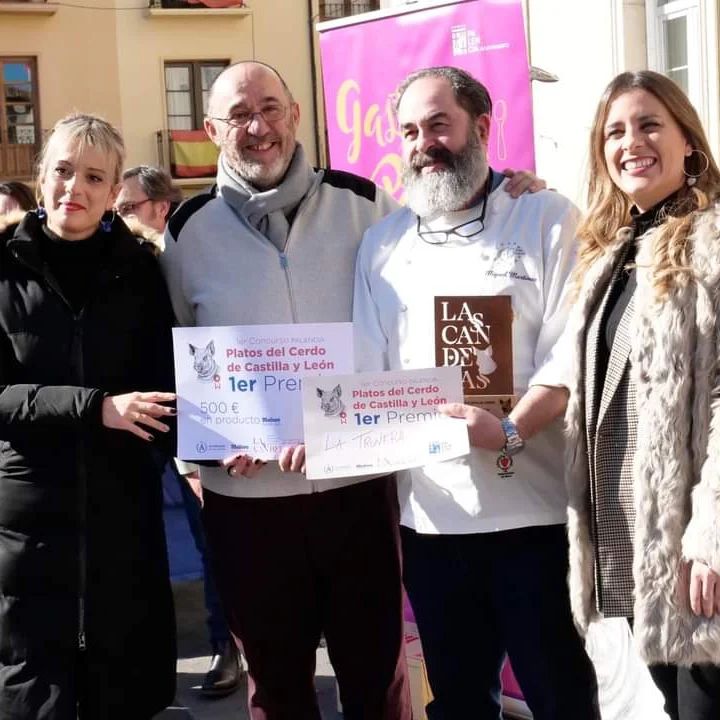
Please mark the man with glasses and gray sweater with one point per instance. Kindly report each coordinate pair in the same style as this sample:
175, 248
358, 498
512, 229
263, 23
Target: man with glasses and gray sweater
294, 558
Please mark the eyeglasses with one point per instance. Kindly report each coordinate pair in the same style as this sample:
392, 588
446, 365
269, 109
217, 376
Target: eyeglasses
128, 208
464, 230
242, 118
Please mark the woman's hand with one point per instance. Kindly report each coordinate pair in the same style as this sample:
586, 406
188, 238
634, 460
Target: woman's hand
128, 412
704, 590
244, 465
292, 459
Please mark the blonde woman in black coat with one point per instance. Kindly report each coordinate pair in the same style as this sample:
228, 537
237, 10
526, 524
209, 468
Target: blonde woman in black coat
86, 619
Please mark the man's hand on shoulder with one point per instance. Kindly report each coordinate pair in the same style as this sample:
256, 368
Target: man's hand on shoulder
522, 181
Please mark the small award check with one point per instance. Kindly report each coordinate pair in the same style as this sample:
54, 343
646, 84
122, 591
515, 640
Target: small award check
380, 422
239, 387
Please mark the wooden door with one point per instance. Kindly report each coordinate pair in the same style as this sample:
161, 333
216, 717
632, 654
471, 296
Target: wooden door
19, 120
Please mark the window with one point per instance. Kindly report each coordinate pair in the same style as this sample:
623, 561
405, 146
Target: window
19, 121
191, 154
342, 8
187, 85
673, 44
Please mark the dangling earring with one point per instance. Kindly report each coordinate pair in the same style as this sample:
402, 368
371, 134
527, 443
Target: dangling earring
106, 225
692, 178
40, 212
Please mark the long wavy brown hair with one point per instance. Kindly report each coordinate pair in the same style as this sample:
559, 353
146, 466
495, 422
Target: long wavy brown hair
609, 208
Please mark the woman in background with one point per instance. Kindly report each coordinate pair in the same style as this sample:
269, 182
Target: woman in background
15, 196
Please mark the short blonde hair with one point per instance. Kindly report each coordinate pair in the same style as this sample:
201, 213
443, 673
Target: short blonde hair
85, 131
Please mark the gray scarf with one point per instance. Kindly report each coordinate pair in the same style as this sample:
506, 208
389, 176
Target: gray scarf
267, 210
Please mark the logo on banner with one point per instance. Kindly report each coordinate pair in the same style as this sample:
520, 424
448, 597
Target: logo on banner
465, 41
204, 363
331, 403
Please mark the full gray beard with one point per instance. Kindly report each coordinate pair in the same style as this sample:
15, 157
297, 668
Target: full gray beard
447, 190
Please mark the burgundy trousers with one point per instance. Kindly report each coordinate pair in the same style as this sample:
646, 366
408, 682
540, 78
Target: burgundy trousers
291, 568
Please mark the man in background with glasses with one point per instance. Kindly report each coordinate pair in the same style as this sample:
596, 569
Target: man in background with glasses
148, 196
483, 537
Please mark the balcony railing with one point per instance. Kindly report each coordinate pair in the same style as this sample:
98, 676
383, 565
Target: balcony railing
28, 7
187, 154
196, 4
333, 10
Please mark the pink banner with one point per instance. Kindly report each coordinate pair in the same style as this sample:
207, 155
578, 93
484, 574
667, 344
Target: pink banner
363, 64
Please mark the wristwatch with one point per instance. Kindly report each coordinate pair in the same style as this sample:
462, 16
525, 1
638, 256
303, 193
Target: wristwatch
513, 442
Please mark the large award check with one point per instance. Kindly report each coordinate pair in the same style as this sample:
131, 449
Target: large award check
239, 387
380, 422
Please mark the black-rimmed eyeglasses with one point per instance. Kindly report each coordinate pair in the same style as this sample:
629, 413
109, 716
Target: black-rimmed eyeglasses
242, 118
464, 230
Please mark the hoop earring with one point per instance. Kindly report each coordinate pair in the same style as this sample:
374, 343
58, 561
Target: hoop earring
40, 212
106, 225
692, 179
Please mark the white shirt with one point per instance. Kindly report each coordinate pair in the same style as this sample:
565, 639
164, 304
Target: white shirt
526, 251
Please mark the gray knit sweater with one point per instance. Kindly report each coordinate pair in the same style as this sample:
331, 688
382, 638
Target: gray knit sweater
222, 271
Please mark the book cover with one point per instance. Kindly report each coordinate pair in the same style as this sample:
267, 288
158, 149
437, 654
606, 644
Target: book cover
475, 332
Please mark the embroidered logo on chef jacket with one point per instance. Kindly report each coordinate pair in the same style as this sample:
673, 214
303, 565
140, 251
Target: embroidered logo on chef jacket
507, 263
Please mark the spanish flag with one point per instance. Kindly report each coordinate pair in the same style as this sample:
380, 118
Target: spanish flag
192, 154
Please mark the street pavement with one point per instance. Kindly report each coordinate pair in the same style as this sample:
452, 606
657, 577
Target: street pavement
626, 690
193, 662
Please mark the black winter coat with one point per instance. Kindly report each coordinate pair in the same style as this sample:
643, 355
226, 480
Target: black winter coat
85, 602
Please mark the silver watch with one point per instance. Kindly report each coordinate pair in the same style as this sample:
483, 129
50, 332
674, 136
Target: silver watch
513, 442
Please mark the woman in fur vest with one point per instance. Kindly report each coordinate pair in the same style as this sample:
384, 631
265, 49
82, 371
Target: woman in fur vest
644, 411
86, 618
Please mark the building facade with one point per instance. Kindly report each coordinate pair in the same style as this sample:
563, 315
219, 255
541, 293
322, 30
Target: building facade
675, 37
146, 69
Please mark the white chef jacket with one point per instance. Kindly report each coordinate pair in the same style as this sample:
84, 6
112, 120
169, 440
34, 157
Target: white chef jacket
526, 251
